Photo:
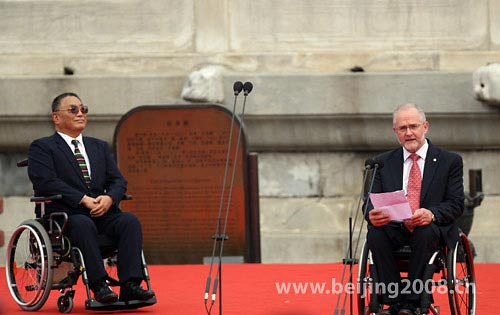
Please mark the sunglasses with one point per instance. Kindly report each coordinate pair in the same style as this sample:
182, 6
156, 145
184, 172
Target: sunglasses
73, 109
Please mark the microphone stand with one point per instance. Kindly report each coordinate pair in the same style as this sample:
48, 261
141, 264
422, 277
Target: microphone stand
350, 256
218, 237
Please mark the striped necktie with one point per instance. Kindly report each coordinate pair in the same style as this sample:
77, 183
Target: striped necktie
81, 163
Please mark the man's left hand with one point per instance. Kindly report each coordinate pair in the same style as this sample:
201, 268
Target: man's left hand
421, 217
103, 203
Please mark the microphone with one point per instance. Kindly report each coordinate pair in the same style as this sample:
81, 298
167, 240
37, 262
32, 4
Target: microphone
247, 88
369, 164
237, 87
378, 164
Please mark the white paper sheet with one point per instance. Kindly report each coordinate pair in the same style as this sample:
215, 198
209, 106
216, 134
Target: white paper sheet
393, 203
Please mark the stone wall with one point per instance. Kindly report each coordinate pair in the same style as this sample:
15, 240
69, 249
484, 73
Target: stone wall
312, 120
133, 37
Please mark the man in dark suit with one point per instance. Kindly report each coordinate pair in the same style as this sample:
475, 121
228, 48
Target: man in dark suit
435, 192
91, 190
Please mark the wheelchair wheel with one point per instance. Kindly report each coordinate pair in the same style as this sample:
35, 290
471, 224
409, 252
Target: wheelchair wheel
29, 265
461, 278
365, 284
65, 304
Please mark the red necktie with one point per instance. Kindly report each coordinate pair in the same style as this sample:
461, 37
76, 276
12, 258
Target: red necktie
414, 184
414, 187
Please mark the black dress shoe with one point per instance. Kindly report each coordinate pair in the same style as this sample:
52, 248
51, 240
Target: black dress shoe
133, 291
407, 310
391, 310
103, 293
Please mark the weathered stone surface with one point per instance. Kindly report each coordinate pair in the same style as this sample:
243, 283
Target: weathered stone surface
494, 8
486, 83
204, 85
90, 27
304, 229
366, 25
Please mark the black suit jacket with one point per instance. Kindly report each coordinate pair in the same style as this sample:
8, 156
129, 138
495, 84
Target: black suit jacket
52, 168
442, 185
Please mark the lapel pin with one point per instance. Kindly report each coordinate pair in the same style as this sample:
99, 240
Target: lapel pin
434, 160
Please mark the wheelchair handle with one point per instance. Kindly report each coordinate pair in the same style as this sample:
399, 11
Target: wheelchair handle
22, 163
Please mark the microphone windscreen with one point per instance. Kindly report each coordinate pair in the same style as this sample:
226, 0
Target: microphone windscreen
247, 87
379, 164
237, 87
369, 163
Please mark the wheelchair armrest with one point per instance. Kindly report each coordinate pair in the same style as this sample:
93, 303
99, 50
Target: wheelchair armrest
43, 199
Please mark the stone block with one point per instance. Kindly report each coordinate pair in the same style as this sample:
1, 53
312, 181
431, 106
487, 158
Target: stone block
305, 230
466, 61
494, 8
486, 83
211, 26
294, 248
13, 65
90, 27
305, 215
310, 174
288, 175
366, 25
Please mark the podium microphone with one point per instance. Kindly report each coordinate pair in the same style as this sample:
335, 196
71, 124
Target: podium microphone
377, 164
369, 164
247, 88
237, 88
220, 234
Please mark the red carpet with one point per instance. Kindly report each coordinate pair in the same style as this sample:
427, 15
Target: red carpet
251, 289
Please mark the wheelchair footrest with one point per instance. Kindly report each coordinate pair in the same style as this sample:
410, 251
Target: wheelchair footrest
92, 304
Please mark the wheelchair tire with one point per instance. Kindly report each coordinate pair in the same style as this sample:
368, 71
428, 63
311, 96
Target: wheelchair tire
29, 265
461, 279
365, 285
65, 304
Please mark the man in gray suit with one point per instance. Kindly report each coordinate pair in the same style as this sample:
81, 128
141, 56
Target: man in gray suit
432, 178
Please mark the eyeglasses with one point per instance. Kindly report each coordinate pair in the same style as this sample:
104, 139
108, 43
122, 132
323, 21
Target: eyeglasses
73, 109
412, 127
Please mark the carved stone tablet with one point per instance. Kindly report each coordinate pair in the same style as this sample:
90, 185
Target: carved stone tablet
174, 158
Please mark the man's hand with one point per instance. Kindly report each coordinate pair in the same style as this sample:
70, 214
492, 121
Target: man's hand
421, 217
88, 202
101, 206
378, 218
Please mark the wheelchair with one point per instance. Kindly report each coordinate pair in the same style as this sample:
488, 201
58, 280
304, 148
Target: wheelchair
40, 258
453, 266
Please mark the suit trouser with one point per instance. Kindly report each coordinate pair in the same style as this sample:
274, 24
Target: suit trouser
382, 241
123, 228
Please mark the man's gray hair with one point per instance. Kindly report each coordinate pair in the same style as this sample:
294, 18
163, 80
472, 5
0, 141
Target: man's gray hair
421, 112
